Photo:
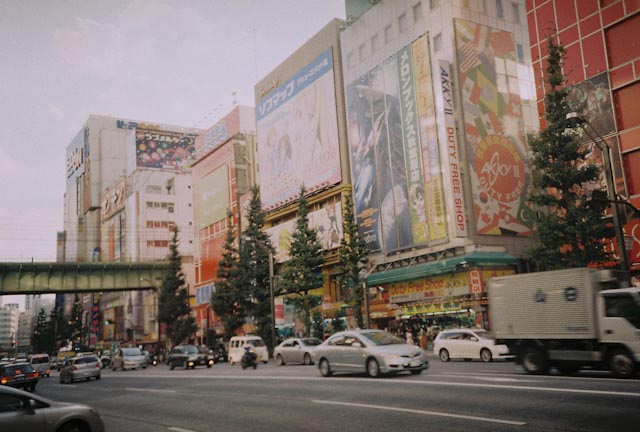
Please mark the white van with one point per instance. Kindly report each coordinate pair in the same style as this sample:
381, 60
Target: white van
237, 344
40, 363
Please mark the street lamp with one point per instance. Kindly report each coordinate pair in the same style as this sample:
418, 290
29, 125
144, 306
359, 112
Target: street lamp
273, 307
611, 193
365, 288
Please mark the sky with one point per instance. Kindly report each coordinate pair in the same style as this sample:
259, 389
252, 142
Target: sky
177, 62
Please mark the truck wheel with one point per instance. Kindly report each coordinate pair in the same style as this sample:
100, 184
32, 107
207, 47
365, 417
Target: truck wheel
535, 361
622, 364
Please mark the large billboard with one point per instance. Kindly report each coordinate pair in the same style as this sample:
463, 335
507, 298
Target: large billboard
298, 134
163, 149
213, 196
395, 162
327, 222
494, 129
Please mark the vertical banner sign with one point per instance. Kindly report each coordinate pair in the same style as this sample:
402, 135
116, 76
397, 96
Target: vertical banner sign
433, 195
95, 312
452, 150
363, 161
494, 130
395, 207
412, 155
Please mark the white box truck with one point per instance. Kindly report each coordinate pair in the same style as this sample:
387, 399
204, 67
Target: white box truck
567, 319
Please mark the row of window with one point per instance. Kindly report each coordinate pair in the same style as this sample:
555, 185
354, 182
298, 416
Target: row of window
161, 224
403, 25
161, 205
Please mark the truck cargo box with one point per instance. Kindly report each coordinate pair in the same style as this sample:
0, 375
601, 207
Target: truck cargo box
556, 304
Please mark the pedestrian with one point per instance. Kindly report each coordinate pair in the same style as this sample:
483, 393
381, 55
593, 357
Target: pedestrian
422, 338
410, 340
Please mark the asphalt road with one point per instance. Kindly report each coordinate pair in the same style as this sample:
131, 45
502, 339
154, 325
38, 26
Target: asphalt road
454, 396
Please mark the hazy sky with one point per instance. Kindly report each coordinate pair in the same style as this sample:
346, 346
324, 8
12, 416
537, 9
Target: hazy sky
179, 62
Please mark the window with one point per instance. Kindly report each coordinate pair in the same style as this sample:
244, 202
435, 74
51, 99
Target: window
11, 403
520, 52
388, 35
402, 23
434, 4
516, 12
375, 42
417, 12
499, 9
170, 207
437, 42
623, 306
361, 52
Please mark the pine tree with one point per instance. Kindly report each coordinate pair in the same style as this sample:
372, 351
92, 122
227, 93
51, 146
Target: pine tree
174, 310
302, 273
353, 257
570, 229
228, 301
255, 252
39, 337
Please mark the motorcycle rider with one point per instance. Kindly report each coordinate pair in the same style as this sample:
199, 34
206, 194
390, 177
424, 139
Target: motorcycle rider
249, 358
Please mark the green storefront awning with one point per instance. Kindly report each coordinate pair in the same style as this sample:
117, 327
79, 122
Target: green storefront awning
447, 265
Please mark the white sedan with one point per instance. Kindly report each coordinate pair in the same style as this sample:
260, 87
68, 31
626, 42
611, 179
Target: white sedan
468, 344
296, 350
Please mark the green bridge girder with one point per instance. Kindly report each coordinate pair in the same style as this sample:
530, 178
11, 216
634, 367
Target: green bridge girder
74, 277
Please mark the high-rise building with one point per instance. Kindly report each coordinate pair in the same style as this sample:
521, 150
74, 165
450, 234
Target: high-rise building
603, 67
128, 186
9, 320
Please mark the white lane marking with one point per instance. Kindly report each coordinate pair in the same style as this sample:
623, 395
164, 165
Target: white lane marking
149, 390
431, 413
66, 385
179, 429
599, 378
487, 378
404, 382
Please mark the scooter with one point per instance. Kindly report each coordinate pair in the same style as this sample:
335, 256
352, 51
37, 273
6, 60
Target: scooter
154, 361
249, 358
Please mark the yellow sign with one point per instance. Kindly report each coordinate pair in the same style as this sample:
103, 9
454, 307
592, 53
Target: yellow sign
429, 288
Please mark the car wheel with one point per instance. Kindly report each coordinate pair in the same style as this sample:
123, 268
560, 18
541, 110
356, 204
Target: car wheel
72, 427
373, 368
325, 368
279, 360
171, 365
444, 355
307, 359
485, 355
622, 364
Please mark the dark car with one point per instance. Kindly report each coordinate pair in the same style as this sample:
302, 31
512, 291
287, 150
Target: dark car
220, 354
188, 357
19, 375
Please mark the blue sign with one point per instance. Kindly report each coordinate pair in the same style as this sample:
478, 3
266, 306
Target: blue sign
203, 293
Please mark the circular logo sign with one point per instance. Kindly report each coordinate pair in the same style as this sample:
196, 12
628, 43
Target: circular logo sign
500, 168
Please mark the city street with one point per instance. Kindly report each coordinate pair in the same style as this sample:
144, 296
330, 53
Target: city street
454, 396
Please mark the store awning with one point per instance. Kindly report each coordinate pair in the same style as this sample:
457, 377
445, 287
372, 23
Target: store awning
446, 265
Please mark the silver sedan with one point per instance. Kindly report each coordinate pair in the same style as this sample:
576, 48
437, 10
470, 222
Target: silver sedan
26, 412
296, 350
375, 352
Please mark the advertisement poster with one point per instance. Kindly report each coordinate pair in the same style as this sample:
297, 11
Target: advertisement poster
298, 129
591, 99
164, 149
433, 191
213, 196
394, 153
327, 222
363, 161
487, 71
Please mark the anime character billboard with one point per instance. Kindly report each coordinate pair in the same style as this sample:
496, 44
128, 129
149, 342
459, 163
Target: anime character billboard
164, 149
487, 71
298, 134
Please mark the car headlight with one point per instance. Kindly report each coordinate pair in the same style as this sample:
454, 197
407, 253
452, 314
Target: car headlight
390, 358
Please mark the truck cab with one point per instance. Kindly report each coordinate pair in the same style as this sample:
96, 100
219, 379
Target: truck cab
619, 329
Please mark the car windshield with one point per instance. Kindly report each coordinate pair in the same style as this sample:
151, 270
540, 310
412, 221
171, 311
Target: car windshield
382, 338
190, 349
131, 351
18, 369
39, 360
311, 341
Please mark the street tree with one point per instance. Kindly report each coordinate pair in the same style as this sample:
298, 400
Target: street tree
228, 301
174, 310
570, 232
39, 337
303, 271
256, 251
353, 257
